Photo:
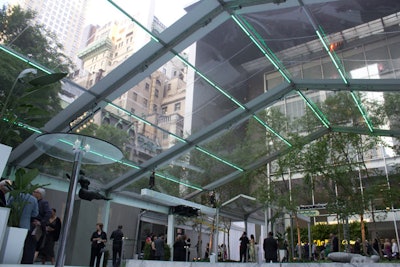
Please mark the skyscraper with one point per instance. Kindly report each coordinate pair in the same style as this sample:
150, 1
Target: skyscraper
65, 19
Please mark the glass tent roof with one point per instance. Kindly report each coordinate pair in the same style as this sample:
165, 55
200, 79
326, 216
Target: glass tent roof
250, 73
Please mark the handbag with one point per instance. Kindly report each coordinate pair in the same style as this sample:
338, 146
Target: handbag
37, 232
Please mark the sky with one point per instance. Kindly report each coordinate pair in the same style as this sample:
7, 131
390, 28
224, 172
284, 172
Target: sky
167, 11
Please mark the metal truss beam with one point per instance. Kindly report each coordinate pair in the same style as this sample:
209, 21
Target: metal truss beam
367, 85
203, 135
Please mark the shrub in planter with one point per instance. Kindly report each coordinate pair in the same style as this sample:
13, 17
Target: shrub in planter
21, 185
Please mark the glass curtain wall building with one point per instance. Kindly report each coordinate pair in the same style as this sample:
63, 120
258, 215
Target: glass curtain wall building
277, 105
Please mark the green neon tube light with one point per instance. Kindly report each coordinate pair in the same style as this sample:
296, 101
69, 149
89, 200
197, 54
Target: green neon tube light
136, 117
230, 97
132, 165
362, 111
332, 56
30, 128
219, 159
175, 180
25, 126
213, 84
129, 164
272, 130
177, 137
135, 21
100, 154
15, 54
146, 122
271, 57
314, 109
335, 61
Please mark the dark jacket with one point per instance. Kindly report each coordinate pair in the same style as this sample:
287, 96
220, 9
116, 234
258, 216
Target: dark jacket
116, 237
270, 247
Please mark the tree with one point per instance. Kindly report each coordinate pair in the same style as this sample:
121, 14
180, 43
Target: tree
337, 160
31, 106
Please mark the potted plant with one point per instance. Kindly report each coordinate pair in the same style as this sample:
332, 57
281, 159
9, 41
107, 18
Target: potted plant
21, 185
14, 237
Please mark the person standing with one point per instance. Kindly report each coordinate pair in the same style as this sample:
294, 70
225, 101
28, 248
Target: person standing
42, 219
153, 247
314, 251
53, 229
387, 249
30, 211
179, 249
244, 241
187, 247
252, 249
207, 253
117, 237
357, 246
159, 244
334, 243
270, 247
5, 187
98, 239
395, 249
376, 246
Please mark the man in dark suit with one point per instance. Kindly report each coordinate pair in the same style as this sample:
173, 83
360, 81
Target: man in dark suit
335, 243
270, 247
244, 241
116, 237
43, 218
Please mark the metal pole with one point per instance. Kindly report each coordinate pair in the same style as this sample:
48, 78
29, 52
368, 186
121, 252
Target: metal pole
388, 184
216, 239
69, 207
395, 225
310, 243
170, 234
291, 236
22, 74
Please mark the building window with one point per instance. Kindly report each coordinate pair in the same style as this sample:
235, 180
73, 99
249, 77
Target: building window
155, 108
145, 102
165, 135
135, 96
164, 110
147, 86
156, 92
132, 110
177, 106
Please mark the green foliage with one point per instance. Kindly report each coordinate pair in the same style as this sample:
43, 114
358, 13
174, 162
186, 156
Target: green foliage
167, 252
30, 105
16, 28
146, 251
322, 231
21, 185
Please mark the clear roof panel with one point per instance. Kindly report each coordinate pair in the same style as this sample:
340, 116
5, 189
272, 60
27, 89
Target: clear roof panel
224, 61
240, 146
211, 97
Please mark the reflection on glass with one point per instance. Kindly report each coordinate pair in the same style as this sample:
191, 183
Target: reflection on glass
63, 145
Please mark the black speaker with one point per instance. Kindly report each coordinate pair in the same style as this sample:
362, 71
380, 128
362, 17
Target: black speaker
185, 211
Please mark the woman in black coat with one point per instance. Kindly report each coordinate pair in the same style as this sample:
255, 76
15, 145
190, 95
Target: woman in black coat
179, 249
98, 239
